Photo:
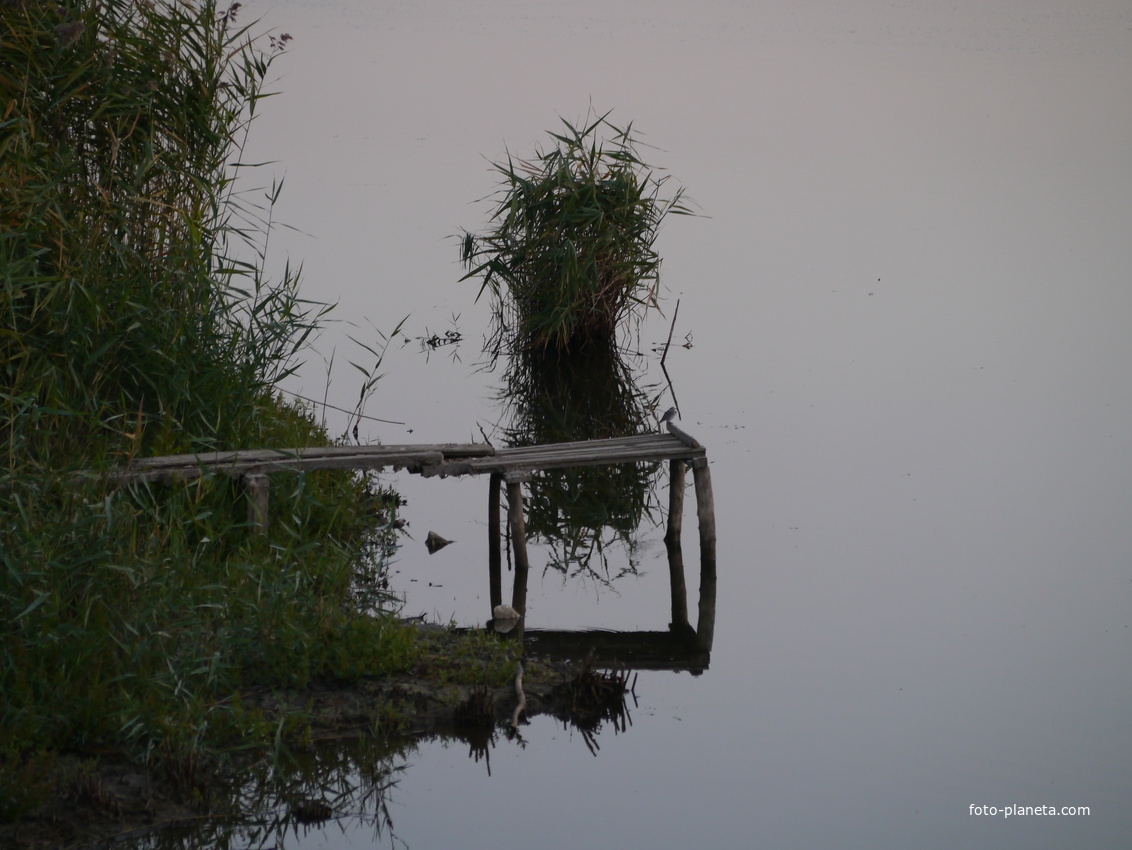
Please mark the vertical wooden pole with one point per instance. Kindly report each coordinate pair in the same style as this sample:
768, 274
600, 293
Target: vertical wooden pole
518, 526
705, 511
676, 479
256, 491
494, 559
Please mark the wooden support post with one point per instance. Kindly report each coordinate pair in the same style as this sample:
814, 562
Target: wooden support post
494, 558
676, 479
705, 510
518, 526
256, 491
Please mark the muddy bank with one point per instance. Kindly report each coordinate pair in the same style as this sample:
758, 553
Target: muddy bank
460, 688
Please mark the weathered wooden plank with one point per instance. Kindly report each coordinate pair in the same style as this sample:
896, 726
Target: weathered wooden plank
642, 442
684, 437
449, 450
277, 463
369, 461
558, 460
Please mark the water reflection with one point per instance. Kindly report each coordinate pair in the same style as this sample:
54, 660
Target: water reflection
681, 647
336, 787
588, 394
342, 789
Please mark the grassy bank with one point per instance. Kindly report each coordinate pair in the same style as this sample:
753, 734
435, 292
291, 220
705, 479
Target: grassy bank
132, 322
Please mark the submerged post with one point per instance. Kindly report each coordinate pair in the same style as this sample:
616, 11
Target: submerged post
676, 478
705, 510
494, 554
518, 527
256, 491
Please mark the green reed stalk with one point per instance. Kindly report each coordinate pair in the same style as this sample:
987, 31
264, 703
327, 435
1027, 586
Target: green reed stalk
569, 255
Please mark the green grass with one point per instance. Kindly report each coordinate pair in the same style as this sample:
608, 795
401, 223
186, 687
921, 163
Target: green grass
135, 319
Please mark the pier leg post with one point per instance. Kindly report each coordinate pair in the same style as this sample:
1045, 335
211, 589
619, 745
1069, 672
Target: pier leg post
494, 557
705, 511
676, 479
256, 491
518, 526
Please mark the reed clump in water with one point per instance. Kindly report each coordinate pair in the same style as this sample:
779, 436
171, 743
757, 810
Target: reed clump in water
569, 255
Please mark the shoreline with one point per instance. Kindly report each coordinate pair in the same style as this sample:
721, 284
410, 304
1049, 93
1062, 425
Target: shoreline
101, 799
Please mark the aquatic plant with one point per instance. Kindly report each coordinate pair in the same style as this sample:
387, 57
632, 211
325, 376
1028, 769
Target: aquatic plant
569, 254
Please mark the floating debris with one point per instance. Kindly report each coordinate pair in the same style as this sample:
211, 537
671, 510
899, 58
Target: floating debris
434, 542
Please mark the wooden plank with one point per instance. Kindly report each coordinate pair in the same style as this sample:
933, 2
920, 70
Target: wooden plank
640, 442
369, 461
504, 463
684, 437
448, 450
278, 463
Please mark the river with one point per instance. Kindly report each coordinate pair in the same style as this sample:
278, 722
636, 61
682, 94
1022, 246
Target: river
903, 336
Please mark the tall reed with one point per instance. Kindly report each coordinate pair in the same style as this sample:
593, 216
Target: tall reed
135, 318
128, 315
569, 254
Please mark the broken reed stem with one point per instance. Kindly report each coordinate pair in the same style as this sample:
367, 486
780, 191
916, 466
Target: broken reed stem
671, 328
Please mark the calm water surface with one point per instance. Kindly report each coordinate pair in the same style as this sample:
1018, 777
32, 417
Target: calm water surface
908, 305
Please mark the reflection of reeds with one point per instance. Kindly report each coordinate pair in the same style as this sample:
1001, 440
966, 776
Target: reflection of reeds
588, 395
593, 697
477, 711
569, 255
348, 778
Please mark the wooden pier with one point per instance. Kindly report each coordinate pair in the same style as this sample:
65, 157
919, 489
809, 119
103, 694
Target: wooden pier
510, 466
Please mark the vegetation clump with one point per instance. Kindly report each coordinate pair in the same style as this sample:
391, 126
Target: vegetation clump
569, 255
135, 319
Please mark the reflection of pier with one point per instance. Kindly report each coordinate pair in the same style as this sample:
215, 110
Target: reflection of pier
683, 646
675, 649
